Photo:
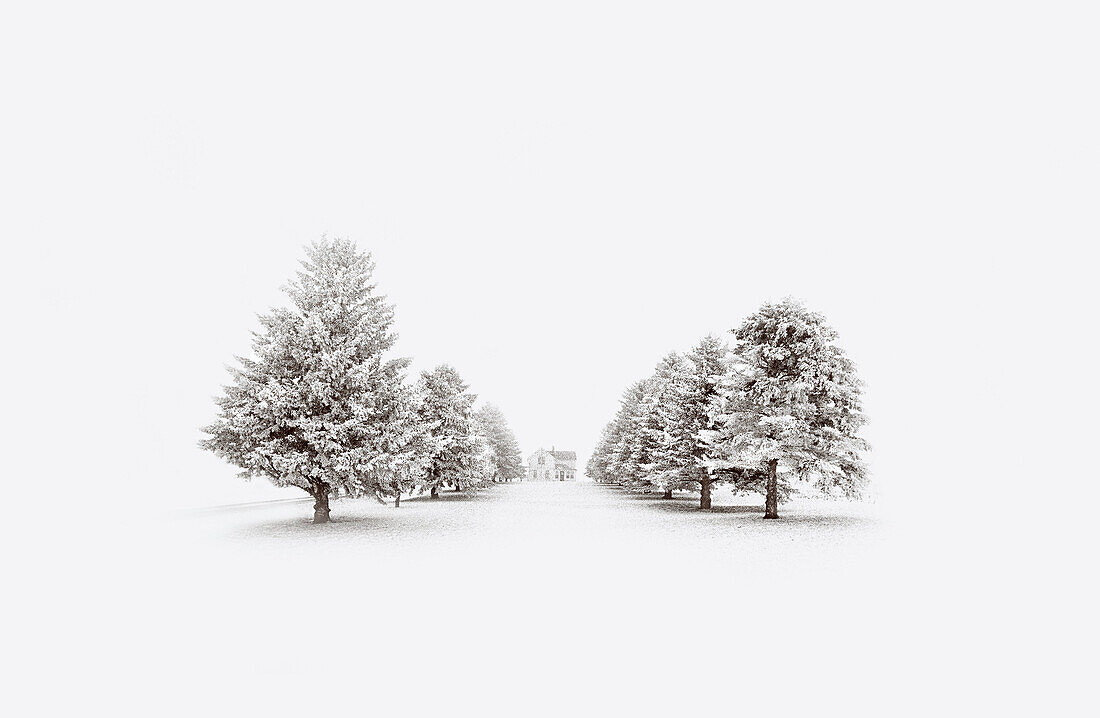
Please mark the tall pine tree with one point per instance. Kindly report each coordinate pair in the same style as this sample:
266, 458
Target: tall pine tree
599, 467
793, 406
687, 418
446, 410
630, 455
406, 444
667, 469
312, 407
505, 460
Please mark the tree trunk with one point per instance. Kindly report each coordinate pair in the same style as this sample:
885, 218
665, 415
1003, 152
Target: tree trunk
397, 500
435, 491
320, 505
668, 493
704, 497
771, 503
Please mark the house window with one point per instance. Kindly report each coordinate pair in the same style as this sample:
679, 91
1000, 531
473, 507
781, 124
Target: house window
541, 460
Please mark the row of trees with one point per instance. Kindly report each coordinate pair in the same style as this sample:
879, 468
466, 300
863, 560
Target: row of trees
319, 405
780, 403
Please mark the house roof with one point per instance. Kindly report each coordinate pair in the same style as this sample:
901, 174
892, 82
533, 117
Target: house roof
556, 455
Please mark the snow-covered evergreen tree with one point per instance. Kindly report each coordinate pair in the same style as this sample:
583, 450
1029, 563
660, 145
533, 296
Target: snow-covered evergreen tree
480, 466
667, 469
792, 406
505, 461
686, 417
406, 445
599, 466
313, 407
630, 457
446, 409
609, 459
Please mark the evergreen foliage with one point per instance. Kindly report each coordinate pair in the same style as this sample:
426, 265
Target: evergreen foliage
631, 454
689, 415
793, 406
670, 464
406, 446
446, 409
782, 406
318, 405
505, 462
610, 461
598, 467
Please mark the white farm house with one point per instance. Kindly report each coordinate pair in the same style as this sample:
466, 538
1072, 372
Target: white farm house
552, 465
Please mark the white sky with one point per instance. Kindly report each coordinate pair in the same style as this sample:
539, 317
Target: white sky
555, 198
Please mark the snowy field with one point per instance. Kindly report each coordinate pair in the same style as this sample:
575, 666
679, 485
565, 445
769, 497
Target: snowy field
563, 519
561, 591
522, 599
557, 544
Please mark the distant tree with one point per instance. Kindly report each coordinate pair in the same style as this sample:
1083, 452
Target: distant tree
792, 406
407, 446
480, 467
631, 455
446, 410
310, 408
687, 417
609, 460
668, 468
599, 467
505, 462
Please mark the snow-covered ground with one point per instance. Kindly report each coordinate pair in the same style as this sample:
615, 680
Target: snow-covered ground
578, 523
532, 597
522, 599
